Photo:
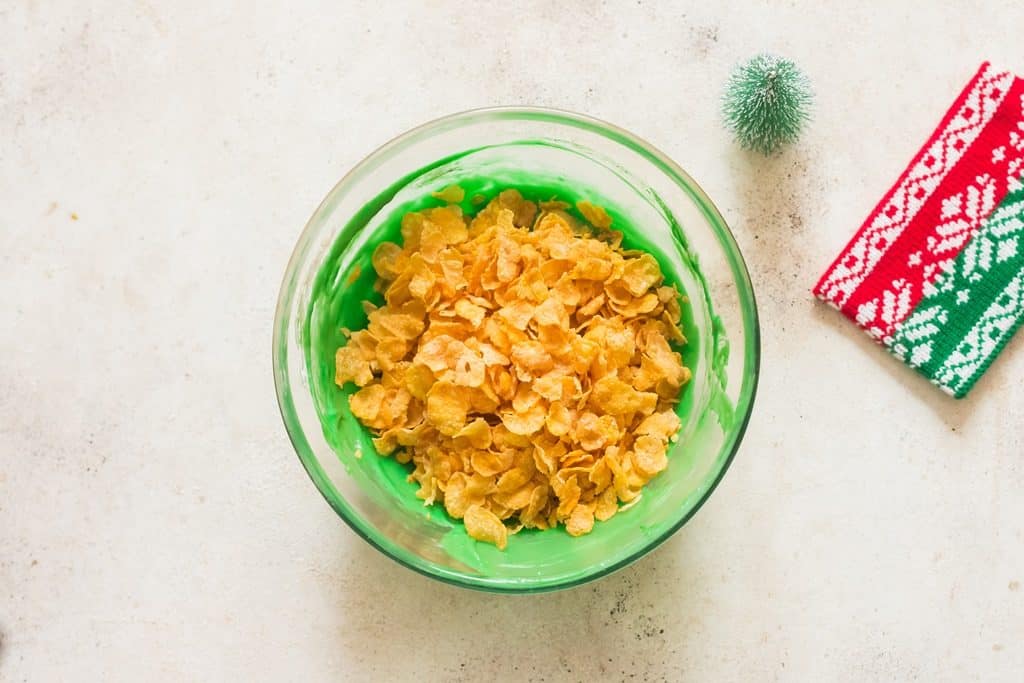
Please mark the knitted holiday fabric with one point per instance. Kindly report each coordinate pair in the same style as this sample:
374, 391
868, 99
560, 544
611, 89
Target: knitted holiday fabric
936, 272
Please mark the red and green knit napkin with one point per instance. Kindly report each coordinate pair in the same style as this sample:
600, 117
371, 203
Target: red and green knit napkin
936, 272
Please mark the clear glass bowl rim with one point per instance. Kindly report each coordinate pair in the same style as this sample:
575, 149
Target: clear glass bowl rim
752, 346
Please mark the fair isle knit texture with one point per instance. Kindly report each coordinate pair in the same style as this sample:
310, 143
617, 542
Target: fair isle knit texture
936, 272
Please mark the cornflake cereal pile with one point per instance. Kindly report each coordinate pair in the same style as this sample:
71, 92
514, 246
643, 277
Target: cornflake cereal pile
522, 363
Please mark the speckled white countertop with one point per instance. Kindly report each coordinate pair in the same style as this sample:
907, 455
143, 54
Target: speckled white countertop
157, 162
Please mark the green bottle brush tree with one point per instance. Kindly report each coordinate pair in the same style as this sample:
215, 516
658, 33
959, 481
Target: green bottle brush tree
767, 102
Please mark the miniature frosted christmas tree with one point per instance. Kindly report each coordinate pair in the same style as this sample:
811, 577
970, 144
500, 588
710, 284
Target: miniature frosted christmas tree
766, 103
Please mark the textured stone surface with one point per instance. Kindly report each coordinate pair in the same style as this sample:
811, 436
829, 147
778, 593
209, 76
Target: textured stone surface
154, 522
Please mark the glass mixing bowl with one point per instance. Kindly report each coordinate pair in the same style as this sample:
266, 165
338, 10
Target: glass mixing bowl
329, 275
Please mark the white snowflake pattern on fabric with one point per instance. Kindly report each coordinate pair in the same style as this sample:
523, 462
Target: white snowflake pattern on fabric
1006, 250
936, 272
1000, 234
917, 186
981, 342
893, 303
952, 206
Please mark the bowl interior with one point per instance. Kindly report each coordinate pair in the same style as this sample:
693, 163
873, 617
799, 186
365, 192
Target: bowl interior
331, 275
